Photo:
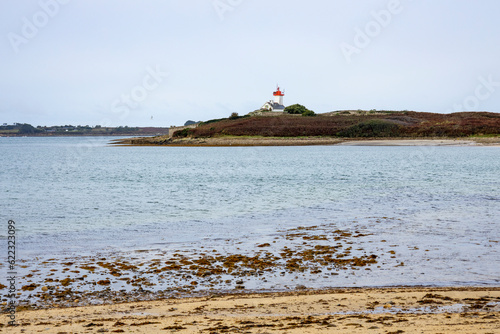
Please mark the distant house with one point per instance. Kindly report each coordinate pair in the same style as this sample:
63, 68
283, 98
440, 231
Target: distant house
275, 105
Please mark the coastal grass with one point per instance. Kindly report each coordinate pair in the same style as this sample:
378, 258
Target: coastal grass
406, 124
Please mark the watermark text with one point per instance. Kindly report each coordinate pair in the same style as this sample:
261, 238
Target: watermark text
363, 37
150, 82
11, 272
33, 25
483, 91
224, 6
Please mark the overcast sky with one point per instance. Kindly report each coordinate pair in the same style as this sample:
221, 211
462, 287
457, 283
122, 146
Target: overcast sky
162, 62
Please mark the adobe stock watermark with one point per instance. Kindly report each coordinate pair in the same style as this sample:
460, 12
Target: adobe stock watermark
32, 26
363, 37
484, 90
120, 108
11, 272
150, 82
223, 6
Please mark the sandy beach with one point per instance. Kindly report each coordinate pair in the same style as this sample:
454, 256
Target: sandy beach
387, 310
411, 142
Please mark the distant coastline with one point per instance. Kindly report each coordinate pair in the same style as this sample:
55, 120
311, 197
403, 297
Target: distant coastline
27, 130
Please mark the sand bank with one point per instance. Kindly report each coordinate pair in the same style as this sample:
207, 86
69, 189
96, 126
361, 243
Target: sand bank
302, 141
228, 141
410, 142
387, 310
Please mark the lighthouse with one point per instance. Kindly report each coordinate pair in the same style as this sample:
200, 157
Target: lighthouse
278, 96
275, 105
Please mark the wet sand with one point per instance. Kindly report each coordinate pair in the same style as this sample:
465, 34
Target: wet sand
303, 141
380, 310
411, 142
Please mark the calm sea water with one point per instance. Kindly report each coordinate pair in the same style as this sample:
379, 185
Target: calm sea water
76, 196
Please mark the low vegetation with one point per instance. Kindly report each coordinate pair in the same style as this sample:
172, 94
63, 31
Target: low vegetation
372, 128
183, 133
356, 124
299, 109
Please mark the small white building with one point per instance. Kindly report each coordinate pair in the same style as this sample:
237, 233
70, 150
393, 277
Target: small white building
275, 105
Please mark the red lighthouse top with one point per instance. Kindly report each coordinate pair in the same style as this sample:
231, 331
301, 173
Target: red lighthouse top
278, 92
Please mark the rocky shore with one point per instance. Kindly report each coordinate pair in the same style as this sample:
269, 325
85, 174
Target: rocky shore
303, 141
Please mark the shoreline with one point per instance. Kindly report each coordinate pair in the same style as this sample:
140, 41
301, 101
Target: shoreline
348, 310
294, 258
302, 141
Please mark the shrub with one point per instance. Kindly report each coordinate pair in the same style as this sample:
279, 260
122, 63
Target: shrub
28, 129
182, 133
309, 113
295, 109
298, 109
371, 128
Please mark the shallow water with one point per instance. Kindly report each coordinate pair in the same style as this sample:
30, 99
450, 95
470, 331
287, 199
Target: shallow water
436, 208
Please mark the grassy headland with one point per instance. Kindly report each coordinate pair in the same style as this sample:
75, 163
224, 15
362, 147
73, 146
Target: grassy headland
333, 128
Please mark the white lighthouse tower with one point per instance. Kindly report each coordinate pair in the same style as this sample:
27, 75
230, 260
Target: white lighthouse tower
278, 96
